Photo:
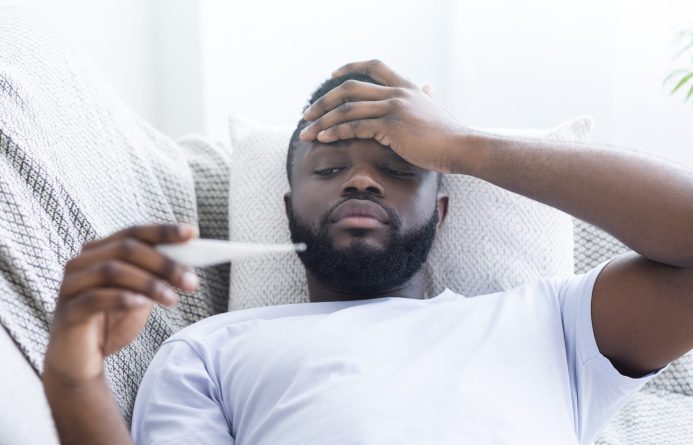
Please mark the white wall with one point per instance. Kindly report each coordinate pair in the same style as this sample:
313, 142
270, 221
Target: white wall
117, 36
643, 114
498, 63
268, 56
178, 64
535, 62
182, 64
149, 50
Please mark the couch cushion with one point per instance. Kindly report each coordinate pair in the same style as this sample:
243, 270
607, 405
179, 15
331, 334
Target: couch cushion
26, 417
75, 165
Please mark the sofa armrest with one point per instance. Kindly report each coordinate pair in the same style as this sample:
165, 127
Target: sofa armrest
25, 417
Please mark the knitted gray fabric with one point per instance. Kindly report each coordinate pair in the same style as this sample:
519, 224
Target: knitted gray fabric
76, 165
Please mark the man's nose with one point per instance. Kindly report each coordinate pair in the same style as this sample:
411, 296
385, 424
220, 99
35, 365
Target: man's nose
363, 179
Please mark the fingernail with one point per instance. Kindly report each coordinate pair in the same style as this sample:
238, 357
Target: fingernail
170, 296
139, 300
187, 230
189, 280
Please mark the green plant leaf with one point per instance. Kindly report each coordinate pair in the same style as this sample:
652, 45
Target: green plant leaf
672, 75
690, 94
682, 82
684, 77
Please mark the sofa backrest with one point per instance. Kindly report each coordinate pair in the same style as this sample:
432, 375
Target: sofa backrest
75, 165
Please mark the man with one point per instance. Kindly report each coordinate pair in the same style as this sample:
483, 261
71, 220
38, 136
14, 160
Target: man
368, 361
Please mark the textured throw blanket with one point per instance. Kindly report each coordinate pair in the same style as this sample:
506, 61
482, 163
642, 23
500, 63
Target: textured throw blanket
76, 165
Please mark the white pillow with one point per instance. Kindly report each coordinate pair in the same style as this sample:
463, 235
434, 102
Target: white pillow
491, 240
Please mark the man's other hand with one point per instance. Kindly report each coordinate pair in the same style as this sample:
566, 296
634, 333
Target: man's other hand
397, 114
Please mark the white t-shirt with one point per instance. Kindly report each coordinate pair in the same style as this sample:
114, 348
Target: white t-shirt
517, 367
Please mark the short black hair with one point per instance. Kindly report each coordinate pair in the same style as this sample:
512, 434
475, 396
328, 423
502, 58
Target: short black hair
323, 89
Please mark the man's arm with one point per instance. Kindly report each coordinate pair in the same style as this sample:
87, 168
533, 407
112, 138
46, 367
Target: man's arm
84, 412
642, 304
104, 301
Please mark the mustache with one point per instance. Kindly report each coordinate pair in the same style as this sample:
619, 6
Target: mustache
394, 218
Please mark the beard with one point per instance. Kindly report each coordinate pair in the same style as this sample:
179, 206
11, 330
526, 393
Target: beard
361, 269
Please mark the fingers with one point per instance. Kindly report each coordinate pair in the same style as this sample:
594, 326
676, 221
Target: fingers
85, 305
127, 260
137, 253
355, 106
348, 111
348, 92
115, 273
150, 234
360, 129
375, 69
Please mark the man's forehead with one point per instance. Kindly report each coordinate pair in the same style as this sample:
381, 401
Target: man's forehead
345, 146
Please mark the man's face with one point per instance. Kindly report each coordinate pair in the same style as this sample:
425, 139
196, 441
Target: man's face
367, 215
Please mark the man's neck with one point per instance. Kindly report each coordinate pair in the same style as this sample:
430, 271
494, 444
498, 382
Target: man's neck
319, 292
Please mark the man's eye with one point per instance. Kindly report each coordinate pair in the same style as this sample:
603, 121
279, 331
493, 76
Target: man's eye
394, 172
328, 171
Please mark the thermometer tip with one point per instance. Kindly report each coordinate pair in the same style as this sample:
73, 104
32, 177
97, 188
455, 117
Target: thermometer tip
300, 247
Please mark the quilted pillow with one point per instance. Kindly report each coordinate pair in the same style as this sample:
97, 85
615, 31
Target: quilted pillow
492, 239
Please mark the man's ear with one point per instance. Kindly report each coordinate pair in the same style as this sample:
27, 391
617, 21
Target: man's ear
287, 204
442, 209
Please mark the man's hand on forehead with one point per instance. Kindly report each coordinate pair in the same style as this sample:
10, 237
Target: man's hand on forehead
397, 114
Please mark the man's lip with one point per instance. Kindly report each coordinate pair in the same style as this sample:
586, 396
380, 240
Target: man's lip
359, 209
